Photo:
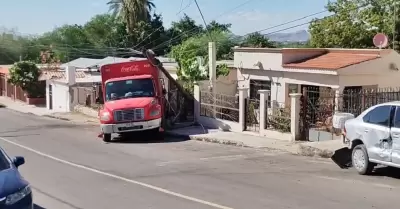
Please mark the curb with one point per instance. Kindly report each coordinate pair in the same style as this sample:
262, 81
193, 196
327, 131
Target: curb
302, 150
206, 139
309, 151
56, 117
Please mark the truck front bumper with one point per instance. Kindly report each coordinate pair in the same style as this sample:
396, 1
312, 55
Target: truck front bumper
131, 126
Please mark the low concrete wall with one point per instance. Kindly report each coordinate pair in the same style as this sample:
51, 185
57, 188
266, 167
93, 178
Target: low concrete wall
224, 125
276, 135
36, 101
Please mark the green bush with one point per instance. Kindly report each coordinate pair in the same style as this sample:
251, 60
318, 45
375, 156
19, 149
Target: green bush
25, 74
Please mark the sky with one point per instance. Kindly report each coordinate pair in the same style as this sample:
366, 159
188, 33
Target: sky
37, 17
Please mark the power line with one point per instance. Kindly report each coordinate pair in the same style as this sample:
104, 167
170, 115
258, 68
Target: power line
204, 21
190, 31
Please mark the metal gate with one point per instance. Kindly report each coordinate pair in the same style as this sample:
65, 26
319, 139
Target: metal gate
252, 112
179, 110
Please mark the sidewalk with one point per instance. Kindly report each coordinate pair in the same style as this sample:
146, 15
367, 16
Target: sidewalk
24, 108
43, 111
321, 149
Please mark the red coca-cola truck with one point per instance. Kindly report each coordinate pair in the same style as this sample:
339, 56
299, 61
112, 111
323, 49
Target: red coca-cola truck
133, 99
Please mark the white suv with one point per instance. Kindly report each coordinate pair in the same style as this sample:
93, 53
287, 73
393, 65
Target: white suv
374, 137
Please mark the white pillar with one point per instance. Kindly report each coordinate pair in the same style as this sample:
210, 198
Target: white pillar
70, 72
263, 108
338, 95
242, 112
197, 101
295, 115
212, 65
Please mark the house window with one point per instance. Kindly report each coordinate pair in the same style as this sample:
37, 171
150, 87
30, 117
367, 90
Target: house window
256, 85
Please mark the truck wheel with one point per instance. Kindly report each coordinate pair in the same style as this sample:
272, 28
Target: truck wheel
157, 134
107, 137
360, 160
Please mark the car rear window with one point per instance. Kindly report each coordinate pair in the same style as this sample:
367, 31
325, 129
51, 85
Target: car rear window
4, 162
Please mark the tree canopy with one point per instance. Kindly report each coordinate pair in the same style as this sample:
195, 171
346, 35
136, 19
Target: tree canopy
354, 23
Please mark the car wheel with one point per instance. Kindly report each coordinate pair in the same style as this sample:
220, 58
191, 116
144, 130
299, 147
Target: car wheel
107, 137
360, 160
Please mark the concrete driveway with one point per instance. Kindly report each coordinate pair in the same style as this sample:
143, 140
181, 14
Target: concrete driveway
69, 167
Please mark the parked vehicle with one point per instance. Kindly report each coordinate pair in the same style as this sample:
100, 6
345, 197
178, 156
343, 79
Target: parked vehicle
15, 192
133, 99
374, 137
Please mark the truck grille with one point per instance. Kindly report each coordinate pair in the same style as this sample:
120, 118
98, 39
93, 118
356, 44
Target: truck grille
129, 115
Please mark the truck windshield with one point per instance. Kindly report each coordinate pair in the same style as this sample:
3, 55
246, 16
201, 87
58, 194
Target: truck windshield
129, 89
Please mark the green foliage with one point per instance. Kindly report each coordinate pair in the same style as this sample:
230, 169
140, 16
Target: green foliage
353, 24
190, 51
257, 40
25, 74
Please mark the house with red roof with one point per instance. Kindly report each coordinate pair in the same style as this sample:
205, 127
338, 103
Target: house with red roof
284, 71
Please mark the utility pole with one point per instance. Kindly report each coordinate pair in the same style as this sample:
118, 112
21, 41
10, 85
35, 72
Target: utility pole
212, 65
394, 25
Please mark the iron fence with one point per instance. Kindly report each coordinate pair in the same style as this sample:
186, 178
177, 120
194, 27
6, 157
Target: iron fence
252, 108
278, 117
220, 106
319, 104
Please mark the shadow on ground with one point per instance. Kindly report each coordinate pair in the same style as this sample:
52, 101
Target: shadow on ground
342, 157
37, 207
147, 138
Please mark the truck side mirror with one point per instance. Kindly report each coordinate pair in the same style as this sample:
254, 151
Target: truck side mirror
164, 92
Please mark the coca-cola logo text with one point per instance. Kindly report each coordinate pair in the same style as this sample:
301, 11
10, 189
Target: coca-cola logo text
132, 68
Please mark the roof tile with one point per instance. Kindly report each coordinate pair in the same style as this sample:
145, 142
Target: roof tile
332, 60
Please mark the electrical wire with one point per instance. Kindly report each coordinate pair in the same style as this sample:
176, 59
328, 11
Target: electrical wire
192, 30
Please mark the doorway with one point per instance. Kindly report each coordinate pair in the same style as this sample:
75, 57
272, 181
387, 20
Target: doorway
50, 97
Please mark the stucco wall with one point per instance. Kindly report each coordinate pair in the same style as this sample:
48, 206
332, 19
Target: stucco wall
372, 72
60, 96
225, 84
281, 80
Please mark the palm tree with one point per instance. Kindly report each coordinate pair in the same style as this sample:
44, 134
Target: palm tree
131, 11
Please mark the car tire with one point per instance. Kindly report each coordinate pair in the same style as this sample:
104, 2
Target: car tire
107, 137
360, 160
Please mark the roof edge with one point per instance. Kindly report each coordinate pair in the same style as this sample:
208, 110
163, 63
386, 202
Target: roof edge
261, 50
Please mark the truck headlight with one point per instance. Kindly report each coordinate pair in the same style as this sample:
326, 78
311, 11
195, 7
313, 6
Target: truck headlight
13, 198
154, 113
105, 116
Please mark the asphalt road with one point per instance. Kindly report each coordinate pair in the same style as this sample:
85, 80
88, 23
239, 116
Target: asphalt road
70, 168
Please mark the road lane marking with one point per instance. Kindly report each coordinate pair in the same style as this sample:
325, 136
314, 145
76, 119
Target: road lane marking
159, 189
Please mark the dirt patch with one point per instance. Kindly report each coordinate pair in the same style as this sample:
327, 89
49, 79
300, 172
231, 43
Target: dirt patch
314, 152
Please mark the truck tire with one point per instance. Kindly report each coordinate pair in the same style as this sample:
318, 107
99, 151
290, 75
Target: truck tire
156, 134
360, 160
107, 137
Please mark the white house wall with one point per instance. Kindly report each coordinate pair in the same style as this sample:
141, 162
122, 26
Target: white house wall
268, 58
374, 72
60, 95
280, 81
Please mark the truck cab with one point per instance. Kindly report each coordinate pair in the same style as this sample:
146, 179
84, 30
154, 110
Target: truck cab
133, 98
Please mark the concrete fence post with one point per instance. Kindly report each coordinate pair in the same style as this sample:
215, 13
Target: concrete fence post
295, 115
243, 92
197, 101
263, 108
